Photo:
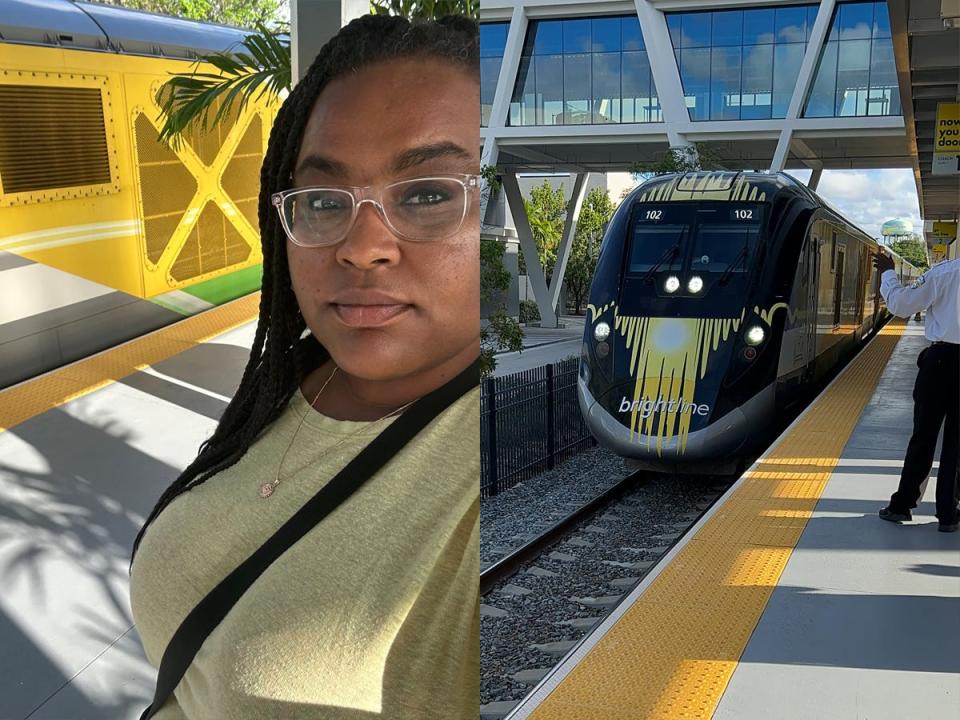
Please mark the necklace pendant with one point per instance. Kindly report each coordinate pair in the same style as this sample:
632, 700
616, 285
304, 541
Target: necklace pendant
266, 490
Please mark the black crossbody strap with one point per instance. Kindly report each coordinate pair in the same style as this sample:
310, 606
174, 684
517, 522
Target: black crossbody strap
214, 607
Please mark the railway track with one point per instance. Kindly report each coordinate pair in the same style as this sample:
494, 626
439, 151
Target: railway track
543, 597
509, 564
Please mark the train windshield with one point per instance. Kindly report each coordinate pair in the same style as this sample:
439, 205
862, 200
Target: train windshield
725, 239
657, 231
706, 237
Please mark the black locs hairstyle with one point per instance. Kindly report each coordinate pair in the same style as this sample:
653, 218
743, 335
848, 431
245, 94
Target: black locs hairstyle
280, 357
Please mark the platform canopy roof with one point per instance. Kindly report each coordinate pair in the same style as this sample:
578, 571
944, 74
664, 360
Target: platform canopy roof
927, 46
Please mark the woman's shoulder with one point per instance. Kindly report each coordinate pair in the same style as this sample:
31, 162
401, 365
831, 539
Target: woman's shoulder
466, 409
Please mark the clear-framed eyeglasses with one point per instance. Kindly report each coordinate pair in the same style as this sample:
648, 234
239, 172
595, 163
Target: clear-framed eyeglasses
422, 209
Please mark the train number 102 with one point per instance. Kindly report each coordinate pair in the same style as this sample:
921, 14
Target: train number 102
654, 214
743, 214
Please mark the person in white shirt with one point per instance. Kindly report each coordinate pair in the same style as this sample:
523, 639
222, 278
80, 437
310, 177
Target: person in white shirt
936, 394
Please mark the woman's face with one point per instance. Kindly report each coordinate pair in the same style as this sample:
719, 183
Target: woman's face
386, 308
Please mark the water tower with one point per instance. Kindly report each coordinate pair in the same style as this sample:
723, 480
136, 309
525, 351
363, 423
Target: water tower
896, 229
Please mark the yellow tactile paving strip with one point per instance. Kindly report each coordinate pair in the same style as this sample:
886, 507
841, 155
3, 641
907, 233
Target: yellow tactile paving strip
672, 653
34, 397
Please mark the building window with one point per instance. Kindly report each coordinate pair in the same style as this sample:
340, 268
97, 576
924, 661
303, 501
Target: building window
584, 71
493, 40
740, 64
856, 74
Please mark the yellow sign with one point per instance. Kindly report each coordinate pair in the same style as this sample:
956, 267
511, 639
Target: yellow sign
947, 129
939, 248
944, 229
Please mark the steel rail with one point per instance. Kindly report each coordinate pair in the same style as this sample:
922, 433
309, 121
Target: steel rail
508, 565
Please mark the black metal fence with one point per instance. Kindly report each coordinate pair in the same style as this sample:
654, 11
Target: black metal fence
529, 422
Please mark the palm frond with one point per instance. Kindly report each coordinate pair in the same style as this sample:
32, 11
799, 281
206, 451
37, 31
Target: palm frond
187, 100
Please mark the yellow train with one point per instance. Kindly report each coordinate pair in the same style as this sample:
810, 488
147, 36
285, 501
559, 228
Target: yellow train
105, 233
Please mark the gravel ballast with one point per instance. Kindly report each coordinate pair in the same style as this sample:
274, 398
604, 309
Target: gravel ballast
561, 595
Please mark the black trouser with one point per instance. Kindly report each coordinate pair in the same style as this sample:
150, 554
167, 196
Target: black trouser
936, 397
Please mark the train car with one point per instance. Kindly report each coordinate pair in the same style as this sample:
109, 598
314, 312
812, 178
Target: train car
720, 299
106, 233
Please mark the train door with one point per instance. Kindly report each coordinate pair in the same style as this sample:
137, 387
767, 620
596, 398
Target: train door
812, 260
876, 294
798, 351
838, 285
860, 288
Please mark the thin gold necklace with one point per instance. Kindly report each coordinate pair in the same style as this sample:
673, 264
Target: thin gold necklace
266, 490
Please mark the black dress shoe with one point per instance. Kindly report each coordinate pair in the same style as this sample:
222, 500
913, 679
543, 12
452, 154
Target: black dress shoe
949, 527
894, 516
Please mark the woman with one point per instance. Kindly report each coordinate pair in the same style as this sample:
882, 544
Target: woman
374, 612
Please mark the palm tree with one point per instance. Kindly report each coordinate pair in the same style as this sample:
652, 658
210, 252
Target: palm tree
188, 98
263, 66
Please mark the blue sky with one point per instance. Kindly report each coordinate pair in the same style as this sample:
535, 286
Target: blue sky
868, 198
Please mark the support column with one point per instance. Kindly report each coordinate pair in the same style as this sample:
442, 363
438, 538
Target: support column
566, 240
818, 35
783, 148
488, 156
814, 178
501, 97
312, 24
666, 75
528, 246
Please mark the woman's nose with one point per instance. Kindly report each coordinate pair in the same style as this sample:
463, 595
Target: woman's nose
370, 241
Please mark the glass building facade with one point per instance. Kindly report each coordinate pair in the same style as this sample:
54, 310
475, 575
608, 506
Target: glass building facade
740, 64
493, 39
856, 74
584, 71
734, 64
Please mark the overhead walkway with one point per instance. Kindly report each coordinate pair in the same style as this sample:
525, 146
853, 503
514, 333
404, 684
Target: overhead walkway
926, 38
791, 599
85, 451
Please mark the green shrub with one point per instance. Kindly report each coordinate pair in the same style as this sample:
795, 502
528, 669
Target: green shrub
529, 312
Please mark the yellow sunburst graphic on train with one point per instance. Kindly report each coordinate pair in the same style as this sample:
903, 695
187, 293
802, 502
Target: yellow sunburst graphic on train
667, 357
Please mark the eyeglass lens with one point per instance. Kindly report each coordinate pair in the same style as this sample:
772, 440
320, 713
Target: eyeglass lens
420, 209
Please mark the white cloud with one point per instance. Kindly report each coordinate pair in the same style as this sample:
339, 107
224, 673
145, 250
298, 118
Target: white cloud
868, 198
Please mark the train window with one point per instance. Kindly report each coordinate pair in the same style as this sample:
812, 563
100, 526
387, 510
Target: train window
726, 238
657, 231
651, 244
833, 250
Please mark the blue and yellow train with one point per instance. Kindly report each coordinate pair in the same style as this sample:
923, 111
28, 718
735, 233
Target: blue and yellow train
720, 300
106, 233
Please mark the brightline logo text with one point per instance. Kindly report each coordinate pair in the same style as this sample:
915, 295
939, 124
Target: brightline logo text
647, 407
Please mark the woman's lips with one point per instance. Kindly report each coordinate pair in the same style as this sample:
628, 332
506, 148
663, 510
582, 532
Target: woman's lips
368, 315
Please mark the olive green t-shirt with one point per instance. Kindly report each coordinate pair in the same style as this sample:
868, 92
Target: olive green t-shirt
373, 614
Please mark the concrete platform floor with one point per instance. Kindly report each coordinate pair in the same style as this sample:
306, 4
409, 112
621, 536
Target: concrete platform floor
865, 621
75, 486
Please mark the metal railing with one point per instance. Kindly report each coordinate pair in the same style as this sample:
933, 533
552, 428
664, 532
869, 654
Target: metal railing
529, 422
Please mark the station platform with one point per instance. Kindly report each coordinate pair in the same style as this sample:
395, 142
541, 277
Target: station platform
542, 346
790, 598
85, 452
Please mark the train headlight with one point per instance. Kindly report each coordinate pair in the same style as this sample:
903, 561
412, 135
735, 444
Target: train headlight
672, 284
696, 284
755, 335
601, 331
602, 350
